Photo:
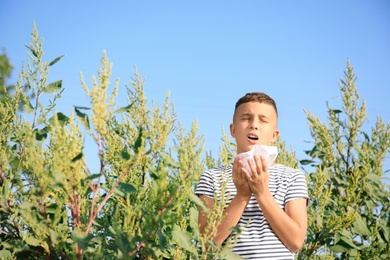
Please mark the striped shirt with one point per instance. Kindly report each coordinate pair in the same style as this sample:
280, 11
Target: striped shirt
257, 240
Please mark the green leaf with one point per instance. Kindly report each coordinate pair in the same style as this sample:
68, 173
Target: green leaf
5, 187
346, 240
32, 241
138, 142
62, 119
198, 202
81, 239
153, 175
194, 219
162, 238
34, 52
337, 237
305, 162
93, 176
236, 229
26, 205
5, 254
336, 111
83, 117
384, 232
40, 137
53, 87
338, 249
59, 177
183, 239
232, 256
55, 60
78, 157
41, 134
319, 220
375, 179
112, 230
54, 236
360, 227
170, 162
353, 252
366, 136
125, 155
123, 109
28, 107
123, 189
83, 108
340, 181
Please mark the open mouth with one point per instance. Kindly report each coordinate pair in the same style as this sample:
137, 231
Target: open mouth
253, 137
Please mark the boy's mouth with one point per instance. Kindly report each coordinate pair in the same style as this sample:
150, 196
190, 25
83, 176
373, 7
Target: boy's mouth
253, 137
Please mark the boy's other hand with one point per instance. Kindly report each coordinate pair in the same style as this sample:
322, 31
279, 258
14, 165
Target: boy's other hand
240, 179
258, 181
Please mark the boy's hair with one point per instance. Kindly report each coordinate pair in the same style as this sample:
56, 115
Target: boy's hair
256, 97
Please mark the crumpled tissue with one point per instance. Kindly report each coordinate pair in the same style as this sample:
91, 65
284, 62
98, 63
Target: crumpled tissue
269, 153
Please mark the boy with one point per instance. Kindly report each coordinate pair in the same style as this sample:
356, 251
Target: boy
271, 202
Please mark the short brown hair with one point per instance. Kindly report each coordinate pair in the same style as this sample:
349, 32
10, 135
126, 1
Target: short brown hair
256, 97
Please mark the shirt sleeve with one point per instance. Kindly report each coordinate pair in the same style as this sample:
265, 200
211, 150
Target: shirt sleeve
297, 188
205, 186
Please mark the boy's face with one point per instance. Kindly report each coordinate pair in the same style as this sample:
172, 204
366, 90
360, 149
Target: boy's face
254, 123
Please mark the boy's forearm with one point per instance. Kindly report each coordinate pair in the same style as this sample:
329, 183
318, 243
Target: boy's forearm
286, 229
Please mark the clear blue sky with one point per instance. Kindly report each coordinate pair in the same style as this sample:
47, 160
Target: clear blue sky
210, 53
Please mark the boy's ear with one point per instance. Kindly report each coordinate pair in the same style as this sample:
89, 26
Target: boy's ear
232, 130
275, 135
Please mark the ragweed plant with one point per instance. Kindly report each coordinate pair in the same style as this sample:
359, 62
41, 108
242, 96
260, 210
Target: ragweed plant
349, 210
31, 204
140, 204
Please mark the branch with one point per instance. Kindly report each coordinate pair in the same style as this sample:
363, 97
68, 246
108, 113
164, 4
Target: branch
141, 244
110, 192
36, 108
14, 230
152, 234
44, 215
21, 156
95, 187
162, 211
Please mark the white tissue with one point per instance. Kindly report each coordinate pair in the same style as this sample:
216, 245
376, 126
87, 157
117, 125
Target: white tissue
268, 152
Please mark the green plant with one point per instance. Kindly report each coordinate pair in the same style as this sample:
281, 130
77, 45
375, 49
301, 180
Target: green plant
139, 205
349, 212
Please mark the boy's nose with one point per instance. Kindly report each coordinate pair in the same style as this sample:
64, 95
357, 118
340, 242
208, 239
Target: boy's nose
254, 127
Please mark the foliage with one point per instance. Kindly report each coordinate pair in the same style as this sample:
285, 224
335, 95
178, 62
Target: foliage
141, 202
139, 205
350, 200
8, 90
5, 71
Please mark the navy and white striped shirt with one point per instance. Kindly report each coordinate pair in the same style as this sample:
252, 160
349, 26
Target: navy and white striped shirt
257, 240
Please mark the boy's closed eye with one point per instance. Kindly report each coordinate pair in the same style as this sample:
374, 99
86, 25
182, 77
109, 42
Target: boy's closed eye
246, 117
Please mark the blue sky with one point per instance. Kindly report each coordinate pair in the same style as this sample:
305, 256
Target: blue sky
207, 54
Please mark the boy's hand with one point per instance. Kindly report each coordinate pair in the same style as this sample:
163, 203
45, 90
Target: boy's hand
258, 181
240, 179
